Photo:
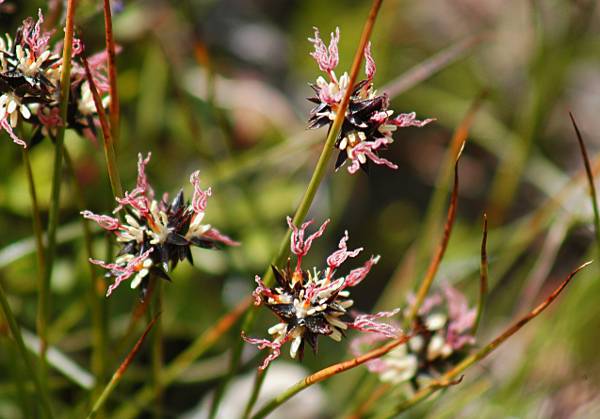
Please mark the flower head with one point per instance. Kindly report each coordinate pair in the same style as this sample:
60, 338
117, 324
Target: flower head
368, 125
156, 235
30, 84
442, 336
309, 304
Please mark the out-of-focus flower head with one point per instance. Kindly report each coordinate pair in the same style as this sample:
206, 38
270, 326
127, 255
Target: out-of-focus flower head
313, 303
156, 235
442, 337
30, 84
368, 125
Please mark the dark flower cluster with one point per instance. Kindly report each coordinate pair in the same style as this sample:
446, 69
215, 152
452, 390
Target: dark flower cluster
30, 84
368, 125
443, 328
309, 304
156, 234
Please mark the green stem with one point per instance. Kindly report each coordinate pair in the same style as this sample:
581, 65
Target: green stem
114, 106
96, 290
108, 143
590, 176
329, 372
16, 332
157, 350
183, 361
53, 214
258, 381
42, 326
118, 375
309, 195
483, 277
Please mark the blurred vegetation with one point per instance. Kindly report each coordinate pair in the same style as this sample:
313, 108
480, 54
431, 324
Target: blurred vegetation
220, 86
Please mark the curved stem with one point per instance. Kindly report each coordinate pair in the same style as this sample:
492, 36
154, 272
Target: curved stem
173, 370
42, 326
109, 147
483, 276
96, 289
441, 250
447, 378
309, 195
65, 83
114, 106
327, 373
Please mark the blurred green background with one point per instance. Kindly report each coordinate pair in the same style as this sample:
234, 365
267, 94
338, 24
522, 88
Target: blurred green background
220, 86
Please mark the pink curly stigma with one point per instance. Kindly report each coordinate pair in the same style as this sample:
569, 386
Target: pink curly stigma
200, 197
123, 271
461, 318
6, 127
50, 120
368, 148
298, 244
261, 289
104, 221
275, 347
33, 36
367, 323
216, 235
357, 275
370, 67
404, 120
140, 197
142, 179
339, 256
326, 57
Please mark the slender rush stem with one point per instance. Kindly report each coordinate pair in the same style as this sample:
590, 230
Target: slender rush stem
65, 83
327, 373
96, 289
39, 247
114, 106
16, 332
437, 259
173, 370
258, 382
447, 378
118, 375
483, 276
109, 148
157, 351
307, 199
590, 177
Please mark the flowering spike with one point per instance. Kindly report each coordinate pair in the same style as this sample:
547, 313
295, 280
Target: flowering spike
368, 125
370, 67
30, 85
441, 335
309, 305
326, 57
168, 229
